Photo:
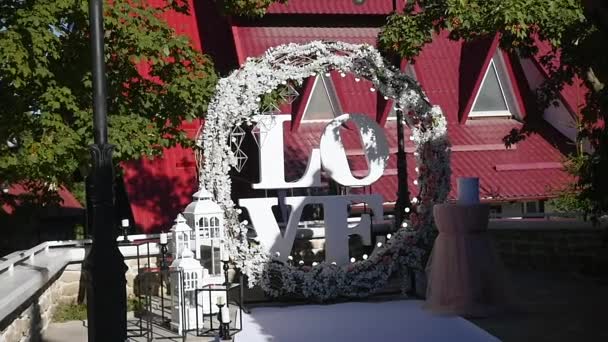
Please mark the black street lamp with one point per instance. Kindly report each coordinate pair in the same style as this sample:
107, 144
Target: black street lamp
104, 265
403, 193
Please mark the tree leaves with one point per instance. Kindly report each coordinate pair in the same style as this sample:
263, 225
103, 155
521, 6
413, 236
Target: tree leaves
248, 8
156, 79
577, 53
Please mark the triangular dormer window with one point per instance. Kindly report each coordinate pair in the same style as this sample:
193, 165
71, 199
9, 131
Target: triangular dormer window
323, 104
495, 96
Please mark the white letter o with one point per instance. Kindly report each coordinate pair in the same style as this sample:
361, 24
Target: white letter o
333, 155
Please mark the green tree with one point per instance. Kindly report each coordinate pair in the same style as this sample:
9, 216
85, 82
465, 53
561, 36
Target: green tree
156, 80
575, 29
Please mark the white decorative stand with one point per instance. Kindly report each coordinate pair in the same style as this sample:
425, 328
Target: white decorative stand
465, 275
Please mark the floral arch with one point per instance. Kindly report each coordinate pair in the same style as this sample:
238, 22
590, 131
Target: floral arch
238, 99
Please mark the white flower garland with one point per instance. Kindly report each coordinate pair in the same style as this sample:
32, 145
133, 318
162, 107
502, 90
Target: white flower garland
238, 98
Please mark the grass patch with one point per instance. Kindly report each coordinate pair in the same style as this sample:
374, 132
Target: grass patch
78, 312
133, 304
70, 312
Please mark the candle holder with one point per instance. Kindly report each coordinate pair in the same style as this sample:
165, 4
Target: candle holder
125, 231
227, 326
164, 268
226, 267
223, 316
164, 265
225, 331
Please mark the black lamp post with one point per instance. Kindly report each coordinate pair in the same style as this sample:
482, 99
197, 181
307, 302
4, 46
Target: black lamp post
164, 268
105, 266
403, 193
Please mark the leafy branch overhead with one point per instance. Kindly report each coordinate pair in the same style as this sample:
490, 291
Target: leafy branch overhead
247, 8
156, 79
575, 55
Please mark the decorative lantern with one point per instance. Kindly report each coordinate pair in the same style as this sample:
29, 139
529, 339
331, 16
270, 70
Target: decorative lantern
206, 217
181, 237
186, 276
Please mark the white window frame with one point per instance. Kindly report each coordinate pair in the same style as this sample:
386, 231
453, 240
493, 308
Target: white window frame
491, 113
506, 87
330, 92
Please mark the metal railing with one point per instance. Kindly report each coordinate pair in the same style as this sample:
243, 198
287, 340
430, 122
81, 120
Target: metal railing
544, 216
8, 262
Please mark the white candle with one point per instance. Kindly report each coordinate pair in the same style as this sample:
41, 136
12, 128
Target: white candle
220, 300
225, 314
163, 238
125, 223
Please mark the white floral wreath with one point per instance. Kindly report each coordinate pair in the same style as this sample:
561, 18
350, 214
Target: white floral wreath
237, 99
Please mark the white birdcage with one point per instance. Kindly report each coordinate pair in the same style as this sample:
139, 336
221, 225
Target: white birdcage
206, 218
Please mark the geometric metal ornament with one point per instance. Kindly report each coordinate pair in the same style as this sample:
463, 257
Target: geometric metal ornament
236, 137
261, 129
241, 159
269, 108
290, 94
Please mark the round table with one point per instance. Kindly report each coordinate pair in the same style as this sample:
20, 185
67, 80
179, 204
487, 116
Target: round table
465, 275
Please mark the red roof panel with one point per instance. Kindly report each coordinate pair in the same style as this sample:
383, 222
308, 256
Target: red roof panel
254, 41
524, 181
572, 95
68, 200
355, 97
161, 188
372, 7
474, 61
183, 24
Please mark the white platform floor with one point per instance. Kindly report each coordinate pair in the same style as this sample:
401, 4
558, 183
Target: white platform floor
402, 320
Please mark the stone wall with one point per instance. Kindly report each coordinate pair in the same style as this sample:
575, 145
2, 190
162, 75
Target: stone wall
575, 249
31, 322
67, 288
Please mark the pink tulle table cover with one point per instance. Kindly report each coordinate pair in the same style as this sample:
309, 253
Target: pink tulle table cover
465, 275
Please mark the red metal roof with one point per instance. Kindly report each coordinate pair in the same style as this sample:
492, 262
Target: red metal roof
369, 7
474, 61
532, 171
450, 73
572, 95
355, 97
161, 188
183, 24
254, 41
68, 201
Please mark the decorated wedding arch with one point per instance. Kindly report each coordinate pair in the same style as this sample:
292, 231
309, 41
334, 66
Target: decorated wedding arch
239, 99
